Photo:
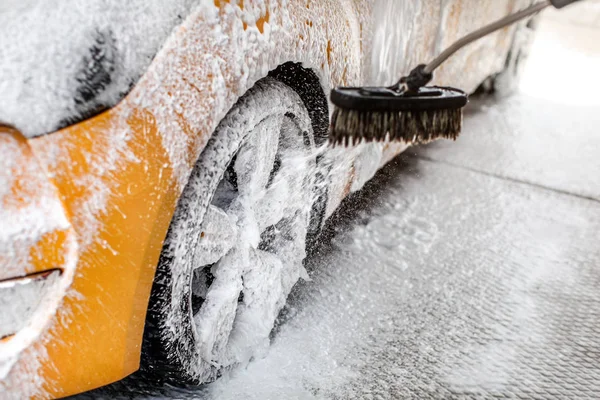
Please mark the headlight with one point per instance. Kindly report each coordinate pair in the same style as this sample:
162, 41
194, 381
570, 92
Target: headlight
21, 297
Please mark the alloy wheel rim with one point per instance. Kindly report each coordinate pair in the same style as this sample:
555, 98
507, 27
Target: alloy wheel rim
252, 240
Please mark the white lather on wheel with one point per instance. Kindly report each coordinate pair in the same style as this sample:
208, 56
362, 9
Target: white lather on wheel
237, 241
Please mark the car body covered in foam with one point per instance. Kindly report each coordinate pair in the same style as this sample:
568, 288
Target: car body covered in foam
106, 111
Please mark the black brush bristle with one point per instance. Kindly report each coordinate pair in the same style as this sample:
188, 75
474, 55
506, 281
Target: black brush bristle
379, 114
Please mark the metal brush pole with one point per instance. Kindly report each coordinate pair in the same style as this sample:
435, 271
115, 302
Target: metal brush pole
481, 32
422, 74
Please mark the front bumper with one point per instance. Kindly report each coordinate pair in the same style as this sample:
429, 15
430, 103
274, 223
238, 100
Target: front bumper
38, 249
93, 200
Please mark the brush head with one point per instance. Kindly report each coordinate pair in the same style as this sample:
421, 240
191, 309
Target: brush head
379, 114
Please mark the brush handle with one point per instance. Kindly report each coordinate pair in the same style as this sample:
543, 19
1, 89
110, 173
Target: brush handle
562, 3
486, 30
422, 74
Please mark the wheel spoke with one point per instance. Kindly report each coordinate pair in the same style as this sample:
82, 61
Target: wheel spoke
289, 245
271, 207
285, 194
256, 157
265, 288
264, 295
215, 319
217, 237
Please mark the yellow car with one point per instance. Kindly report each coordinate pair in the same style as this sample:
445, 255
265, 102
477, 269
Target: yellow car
164, 168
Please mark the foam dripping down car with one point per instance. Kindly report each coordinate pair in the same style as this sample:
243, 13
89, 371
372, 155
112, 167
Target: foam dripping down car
163, 169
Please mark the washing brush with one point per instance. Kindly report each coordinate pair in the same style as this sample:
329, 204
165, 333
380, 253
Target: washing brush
409, 111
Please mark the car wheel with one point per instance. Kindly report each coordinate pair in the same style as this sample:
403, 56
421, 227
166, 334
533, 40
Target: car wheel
237, 240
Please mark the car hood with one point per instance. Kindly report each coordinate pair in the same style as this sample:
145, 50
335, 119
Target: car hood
63, 61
